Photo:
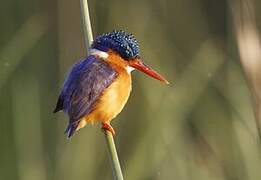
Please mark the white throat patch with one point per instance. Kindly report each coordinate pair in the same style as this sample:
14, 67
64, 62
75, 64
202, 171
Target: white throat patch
129, 69
104, 55
99, 53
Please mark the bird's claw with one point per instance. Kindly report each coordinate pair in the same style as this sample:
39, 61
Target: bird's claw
108, 127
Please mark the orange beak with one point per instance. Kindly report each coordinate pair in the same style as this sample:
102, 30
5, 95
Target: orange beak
139, 65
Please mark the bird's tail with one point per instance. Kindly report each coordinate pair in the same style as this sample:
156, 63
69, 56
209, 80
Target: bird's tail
71, 128
59, 105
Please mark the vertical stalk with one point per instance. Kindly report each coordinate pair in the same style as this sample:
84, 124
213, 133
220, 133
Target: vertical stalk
86, 24
248, 42
115, 164
88, 38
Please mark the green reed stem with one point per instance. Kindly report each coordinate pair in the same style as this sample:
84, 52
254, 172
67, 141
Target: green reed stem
115, 164
86, 24
88, 38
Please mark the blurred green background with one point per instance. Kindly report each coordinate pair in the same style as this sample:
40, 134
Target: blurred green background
200, 127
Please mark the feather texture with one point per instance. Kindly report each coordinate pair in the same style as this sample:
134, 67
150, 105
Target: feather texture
82, 88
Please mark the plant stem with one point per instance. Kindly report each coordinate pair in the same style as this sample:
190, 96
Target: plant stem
115, 164
86, 24
88, 38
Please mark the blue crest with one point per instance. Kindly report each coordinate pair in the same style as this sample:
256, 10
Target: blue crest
123, 43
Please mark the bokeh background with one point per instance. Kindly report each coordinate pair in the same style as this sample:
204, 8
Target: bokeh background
203, 126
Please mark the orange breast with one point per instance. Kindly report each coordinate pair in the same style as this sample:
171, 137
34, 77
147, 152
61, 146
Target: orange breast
114, 97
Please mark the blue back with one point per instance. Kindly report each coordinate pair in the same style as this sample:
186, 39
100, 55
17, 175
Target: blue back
82, 88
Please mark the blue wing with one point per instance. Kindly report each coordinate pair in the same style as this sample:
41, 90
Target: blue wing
82, 88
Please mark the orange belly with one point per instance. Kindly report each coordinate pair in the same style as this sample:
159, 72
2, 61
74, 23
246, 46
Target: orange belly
112, 100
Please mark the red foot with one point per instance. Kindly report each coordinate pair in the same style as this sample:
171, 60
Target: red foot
107, 126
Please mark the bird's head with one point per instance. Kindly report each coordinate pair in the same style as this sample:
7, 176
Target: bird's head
127, 47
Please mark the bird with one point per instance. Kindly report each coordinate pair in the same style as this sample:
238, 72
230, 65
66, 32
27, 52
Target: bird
98, 86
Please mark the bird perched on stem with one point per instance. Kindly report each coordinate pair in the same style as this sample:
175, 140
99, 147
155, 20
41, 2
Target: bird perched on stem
98, 86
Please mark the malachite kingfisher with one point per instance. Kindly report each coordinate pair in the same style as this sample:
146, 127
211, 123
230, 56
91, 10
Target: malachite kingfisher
98, 86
